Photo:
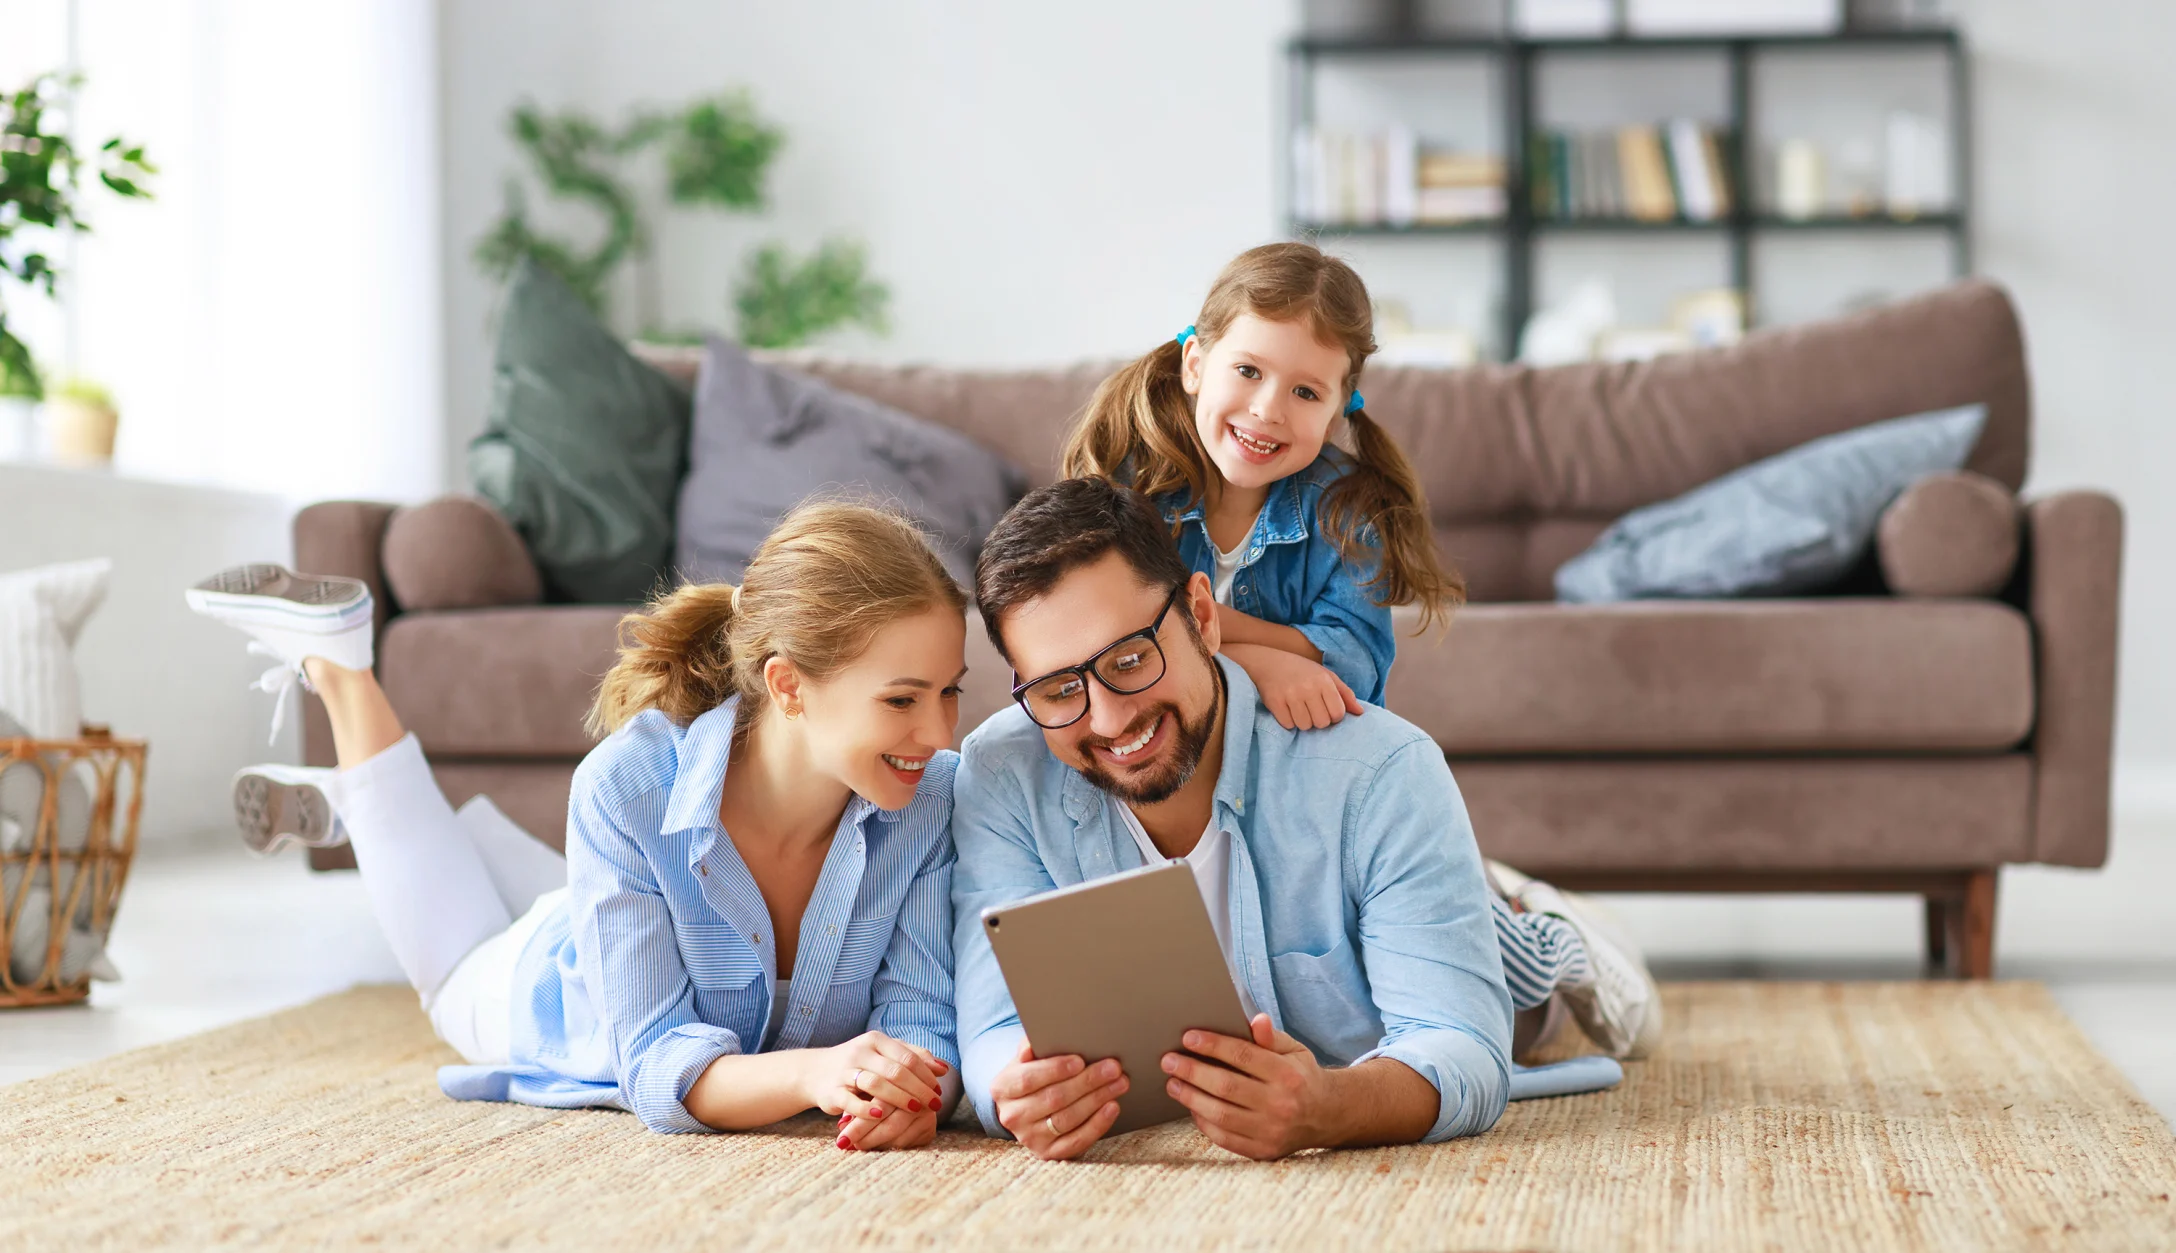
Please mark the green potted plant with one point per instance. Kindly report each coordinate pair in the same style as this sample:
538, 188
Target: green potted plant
80, 421
40, 187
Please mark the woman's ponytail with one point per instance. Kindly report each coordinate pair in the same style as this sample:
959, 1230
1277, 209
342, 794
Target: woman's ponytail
819, 588
1139, 429
1382, 494
675, 657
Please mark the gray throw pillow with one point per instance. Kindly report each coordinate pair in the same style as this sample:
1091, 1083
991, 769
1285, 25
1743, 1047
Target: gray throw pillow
1792, 523
766, 438
584, 446
22, 796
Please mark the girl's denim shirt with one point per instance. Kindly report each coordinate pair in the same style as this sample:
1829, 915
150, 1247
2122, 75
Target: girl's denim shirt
1290, 573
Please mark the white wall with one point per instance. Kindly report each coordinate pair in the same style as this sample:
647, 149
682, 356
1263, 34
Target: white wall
151, 669
1042, 182
270, 321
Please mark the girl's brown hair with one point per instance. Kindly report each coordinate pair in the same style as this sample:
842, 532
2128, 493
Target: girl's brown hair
817, 591
1139, 428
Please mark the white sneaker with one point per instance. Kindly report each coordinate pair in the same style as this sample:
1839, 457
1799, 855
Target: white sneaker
1622, 1009
290, 617
278, 805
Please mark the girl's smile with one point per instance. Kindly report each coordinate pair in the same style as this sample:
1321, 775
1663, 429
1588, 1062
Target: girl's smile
1264, 396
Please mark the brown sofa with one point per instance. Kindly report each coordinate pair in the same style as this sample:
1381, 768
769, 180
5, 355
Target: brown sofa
1860, 742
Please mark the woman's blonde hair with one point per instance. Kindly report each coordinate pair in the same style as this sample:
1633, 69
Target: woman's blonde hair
1139, 429
826, 580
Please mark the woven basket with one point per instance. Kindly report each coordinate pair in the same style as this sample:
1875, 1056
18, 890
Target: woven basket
89, 877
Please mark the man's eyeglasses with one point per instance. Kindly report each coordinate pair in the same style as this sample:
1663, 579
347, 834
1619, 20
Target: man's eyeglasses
1127, 666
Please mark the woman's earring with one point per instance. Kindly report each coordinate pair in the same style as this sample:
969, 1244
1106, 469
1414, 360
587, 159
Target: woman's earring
793, 711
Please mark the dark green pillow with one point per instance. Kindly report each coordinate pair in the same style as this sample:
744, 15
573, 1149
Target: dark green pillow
584, 448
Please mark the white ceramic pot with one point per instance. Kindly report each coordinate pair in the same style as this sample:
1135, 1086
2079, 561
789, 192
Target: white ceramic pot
81, 433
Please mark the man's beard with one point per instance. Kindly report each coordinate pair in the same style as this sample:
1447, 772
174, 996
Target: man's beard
1178, 769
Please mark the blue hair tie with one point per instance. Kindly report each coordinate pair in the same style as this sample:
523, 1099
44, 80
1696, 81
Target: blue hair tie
1353, 406
1185, 335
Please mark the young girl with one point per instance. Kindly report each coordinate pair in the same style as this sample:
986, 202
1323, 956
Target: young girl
754, 914
1308, 546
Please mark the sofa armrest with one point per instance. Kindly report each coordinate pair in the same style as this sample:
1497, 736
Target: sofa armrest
2074, 547
344, 537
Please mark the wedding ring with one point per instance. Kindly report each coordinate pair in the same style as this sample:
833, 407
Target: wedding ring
1054, 1132
858, 1085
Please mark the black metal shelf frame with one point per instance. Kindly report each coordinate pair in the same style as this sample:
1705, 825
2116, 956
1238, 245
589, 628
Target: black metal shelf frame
1517, 61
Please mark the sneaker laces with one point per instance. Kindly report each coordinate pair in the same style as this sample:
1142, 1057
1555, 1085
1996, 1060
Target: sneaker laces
278, 681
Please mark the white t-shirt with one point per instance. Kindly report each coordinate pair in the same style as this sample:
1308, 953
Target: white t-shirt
1227, 569
1211, 863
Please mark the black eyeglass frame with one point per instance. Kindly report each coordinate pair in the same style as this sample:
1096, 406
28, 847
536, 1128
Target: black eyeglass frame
1087, 669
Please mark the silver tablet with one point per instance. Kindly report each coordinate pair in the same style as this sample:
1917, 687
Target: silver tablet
1119, 967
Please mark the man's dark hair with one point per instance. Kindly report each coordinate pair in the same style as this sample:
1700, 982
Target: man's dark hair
1056, 530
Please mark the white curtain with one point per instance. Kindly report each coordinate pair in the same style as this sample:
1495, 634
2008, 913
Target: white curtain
272, 320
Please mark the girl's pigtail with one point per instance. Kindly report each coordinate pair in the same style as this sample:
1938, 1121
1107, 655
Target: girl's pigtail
674, 657
1382, 494
1138, 429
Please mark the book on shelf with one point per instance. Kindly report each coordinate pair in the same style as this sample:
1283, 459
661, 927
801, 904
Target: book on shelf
1388, 178
1674, 171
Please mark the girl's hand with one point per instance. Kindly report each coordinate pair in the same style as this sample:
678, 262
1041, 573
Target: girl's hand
1300, 694
873, 1075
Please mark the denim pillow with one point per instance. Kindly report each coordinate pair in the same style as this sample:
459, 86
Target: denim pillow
766, 438
1794, 522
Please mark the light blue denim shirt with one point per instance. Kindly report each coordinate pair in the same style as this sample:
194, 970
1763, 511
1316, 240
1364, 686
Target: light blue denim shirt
1360, 921
661, 958
1291, 574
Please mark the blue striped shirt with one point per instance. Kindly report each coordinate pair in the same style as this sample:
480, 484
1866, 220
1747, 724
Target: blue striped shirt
661, 960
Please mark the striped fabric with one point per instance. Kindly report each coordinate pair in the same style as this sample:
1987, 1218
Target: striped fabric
1542, 952
41, 612
662, 959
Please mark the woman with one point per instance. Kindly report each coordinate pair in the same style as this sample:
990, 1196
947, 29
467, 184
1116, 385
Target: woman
755, 918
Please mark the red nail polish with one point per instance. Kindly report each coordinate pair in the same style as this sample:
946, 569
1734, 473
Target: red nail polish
876, 1111
914, 1106
845, 1119
845, 1143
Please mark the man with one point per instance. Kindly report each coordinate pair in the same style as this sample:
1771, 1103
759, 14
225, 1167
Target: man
1338, 864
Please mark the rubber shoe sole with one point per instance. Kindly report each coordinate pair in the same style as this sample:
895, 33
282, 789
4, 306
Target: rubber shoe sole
271, 813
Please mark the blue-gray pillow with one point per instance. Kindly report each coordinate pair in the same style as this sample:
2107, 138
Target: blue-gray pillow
584, 446
765, 439
1792, 523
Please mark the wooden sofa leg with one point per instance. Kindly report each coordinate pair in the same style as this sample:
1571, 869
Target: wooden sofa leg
1976, 927
1937, 933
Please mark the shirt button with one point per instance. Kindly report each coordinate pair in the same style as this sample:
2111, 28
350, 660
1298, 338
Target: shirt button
806, 1011
703, 871
831, 930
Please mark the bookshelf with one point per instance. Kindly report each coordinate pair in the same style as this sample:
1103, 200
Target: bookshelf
1515, 63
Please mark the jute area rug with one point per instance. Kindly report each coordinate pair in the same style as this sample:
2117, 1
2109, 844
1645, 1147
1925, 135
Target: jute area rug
1780, 1116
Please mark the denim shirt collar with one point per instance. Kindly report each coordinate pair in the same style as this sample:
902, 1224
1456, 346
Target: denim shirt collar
1283, 519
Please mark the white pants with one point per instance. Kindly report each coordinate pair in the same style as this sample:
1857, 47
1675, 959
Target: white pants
456, 894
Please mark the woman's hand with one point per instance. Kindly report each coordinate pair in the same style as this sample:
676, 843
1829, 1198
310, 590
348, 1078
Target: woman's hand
1300, 694
872, 1076
897, 1129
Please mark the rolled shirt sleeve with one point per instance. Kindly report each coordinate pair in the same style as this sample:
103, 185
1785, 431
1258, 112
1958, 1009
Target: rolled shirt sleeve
1428, 940
630, 959
1349, 629
998, 864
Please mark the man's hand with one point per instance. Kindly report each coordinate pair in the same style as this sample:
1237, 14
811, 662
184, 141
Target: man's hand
1301, 694
1271, 1102
1057, 1106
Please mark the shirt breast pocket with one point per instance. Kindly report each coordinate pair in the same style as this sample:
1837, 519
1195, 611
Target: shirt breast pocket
717, 959
861, 949
1325, 1001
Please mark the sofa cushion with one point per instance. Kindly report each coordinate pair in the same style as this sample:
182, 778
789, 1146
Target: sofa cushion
765, 438
499, 682
1950, 535
457, 552
584, 446
1805, 814
1721, 677
1794, 522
